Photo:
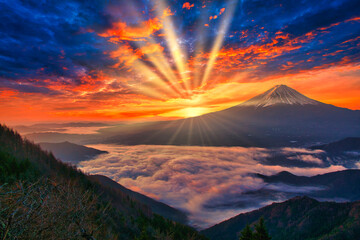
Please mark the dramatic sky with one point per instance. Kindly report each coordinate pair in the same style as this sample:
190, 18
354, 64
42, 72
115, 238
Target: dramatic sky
155, 59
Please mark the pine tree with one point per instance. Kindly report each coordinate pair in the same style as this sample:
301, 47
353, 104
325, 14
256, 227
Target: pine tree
261, 232
246, 233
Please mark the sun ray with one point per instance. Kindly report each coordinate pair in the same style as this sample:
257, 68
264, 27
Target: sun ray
158, 60
191, 126
225, 24
197, 65
155, 79
163, 66
179, 56
176, 133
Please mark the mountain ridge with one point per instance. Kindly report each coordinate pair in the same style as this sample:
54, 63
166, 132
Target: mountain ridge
335, 185
71, 152
299, 218
343, 145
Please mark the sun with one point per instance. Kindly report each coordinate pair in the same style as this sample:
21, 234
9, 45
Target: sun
194, 111
187, 112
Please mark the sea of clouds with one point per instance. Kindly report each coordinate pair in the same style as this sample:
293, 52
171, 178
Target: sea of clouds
211, 184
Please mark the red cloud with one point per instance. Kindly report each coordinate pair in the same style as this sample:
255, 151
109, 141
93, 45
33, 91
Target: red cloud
216, 16
187, 5
121, 31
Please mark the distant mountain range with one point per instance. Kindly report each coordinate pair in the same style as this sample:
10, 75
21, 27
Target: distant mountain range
70, 152
345, 145
345, 152
335, 185
279, 117
300, 218
56, 127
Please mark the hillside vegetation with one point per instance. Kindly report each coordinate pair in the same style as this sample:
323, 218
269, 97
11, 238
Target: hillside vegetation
43, 198
300, 218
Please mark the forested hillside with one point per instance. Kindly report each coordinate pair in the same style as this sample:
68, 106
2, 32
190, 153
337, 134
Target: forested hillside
300, 218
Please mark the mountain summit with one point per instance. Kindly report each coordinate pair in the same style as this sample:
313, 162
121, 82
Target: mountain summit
280, 94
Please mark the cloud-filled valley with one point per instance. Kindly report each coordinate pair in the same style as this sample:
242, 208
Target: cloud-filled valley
211, 184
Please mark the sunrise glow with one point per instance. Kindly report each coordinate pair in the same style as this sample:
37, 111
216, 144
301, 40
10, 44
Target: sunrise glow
164, 60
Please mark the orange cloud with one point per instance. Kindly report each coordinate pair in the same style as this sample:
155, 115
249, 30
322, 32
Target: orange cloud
111, 114
167, 12
257, 53
188, 6
7, 94
338, 23
216, 16
150, 48
250, 57
120, 31
351, 40
126, 55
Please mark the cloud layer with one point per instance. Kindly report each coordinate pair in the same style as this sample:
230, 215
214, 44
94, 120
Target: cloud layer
210, 183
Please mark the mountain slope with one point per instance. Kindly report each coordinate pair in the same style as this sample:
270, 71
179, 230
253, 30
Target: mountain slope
300, 218
279, 117
156, 207
70, 152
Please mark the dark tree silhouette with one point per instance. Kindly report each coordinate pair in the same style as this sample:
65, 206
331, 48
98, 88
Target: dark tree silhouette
246, 233
261, 232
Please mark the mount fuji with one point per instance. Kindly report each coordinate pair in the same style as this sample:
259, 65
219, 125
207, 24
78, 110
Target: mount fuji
278, 117
280, 94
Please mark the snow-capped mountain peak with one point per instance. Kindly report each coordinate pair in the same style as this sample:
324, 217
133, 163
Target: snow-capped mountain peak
280, 94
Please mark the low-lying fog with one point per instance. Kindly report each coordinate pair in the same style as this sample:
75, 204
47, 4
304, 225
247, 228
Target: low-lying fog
211, 184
